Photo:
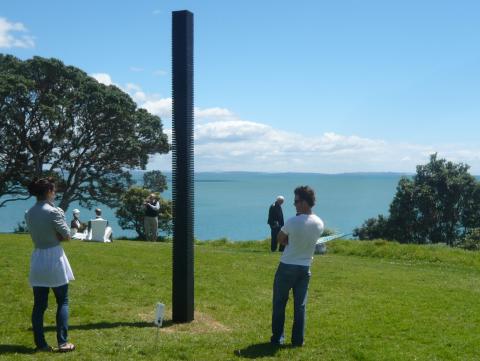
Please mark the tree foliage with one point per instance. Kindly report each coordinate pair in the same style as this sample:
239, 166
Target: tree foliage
471, 241
155, 181
440, 204
57, 120
132, 210
372, 228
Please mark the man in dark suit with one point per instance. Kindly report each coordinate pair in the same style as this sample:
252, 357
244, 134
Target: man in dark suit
275, 221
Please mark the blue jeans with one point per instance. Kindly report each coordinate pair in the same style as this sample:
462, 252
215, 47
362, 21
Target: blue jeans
40, 304
288, 277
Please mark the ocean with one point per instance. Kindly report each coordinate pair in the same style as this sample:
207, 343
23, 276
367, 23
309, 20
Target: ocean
234, 205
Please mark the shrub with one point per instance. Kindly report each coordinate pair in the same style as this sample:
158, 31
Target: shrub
471, 241
372, 228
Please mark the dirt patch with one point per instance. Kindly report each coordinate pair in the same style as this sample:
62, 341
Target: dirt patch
203, 323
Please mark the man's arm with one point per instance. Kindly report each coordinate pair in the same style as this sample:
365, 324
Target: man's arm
155, 207
282, 238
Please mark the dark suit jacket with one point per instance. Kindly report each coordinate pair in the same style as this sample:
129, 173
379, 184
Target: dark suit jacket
275, 216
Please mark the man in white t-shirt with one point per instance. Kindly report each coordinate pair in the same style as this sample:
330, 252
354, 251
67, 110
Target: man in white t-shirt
299, 235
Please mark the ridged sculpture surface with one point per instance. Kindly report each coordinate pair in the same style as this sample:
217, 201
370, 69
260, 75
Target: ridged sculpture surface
183, 191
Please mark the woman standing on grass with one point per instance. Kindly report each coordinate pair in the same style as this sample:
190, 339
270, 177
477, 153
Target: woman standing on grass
49, 267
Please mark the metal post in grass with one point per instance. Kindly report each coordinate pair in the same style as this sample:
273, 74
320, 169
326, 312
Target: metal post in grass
183, 192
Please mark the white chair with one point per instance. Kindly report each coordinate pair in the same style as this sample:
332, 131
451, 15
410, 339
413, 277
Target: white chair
99, 231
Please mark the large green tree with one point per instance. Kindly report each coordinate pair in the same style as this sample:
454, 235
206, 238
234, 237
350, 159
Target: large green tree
57, 120
440, 204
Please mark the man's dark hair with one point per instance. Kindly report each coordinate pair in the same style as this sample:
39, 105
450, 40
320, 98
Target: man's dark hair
306, 193
98, 211
39, 187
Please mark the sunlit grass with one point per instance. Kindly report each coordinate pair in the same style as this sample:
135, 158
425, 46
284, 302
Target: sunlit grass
367, 301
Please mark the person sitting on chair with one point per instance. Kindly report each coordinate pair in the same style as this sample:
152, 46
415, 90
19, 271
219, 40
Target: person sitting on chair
108, 236
77, 227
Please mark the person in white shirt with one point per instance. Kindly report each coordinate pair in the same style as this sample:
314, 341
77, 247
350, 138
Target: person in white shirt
299, 235
108, 236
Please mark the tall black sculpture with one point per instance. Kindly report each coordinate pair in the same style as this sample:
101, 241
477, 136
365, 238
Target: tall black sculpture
183, 191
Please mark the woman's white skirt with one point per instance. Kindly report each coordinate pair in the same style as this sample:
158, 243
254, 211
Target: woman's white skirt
49, 267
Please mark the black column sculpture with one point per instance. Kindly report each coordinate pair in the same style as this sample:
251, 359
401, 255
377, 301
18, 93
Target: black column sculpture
183, 191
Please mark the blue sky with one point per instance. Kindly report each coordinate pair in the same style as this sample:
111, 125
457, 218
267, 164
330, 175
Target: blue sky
311, 86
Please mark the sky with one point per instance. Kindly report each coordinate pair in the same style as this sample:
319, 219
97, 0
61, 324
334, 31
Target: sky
280, 86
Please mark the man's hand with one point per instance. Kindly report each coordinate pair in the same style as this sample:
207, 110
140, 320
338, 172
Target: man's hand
282, 238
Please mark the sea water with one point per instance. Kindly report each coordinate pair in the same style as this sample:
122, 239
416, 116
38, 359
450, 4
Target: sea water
235, 205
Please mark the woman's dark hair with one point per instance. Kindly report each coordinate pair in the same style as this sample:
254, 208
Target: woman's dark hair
306, 193
39, 187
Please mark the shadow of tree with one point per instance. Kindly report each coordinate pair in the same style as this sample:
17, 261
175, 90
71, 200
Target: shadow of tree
265, 349
16, 349
107, 325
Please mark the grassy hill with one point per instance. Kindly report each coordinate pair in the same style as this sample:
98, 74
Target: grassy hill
367, 301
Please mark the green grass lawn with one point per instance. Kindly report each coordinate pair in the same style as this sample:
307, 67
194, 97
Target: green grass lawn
367, 301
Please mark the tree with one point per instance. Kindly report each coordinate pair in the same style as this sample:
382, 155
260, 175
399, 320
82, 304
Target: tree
442, 191
57, 120
441, 204
402, 223
131, 211
372, 228
155, 181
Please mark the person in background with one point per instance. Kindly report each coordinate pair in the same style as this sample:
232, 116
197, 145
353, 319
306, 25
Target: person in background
150, 220
77, 227
108, 230
299, 234
76, 223
275, 220
49, 266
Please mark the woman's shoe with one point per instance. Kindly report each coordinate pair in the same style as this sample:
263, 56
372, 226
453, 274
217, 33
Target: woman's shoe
66, 347
44, 349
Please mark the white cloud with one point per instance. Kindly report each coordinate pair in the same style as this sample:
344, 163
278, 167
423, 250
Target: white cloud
225, 142
136, 93
131, 87
136, 69
103, 78
161, 107
156, 12
9, 40
159, 72
214, 114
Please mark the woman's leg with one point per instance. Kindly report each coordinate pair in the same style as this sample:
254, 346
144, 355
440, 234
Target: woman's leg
40, 304
61, 295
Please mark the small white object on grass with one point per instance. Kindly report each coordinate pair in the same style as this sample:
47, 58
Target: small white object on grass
160, 311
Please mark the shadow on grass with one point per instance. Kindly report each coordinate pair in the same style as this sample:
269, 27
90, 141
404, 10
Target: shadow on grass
16, 349
107, 325
265, 349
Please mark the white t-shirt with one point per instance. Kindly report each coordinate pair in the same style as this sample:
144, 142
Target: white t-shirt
303, 232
